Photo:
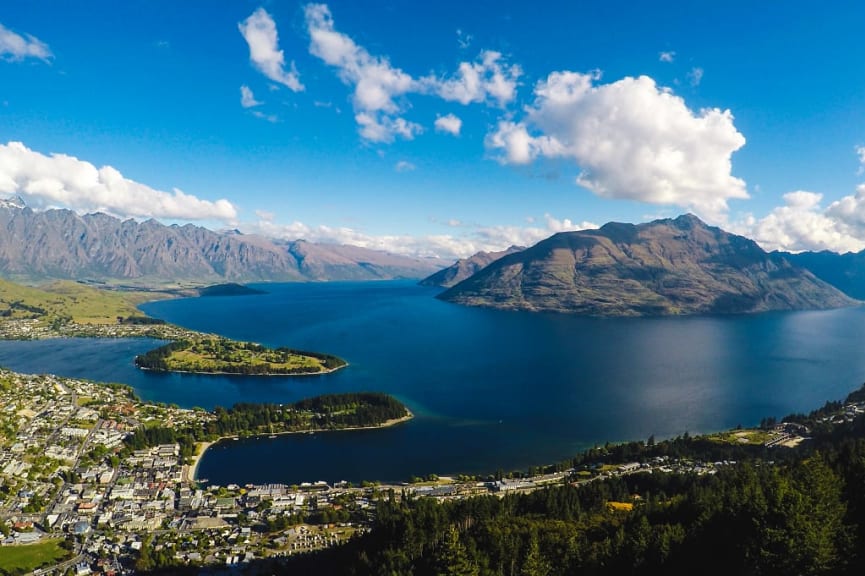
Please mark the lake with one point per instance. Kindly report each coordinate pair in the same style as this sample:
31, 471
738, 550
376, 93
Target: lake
490, 389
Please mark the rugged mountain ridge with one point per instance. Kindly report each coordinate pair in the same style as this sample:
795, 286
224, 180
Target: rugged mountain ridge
60, 244
670, 266
843, 271
465, 267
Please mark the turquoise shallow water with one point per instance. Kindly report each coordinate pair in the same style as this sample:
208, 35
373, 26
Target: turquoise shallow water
491, 389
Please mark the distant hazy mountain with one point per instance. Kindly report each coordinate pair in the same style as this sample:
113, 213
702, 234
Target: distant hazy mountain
845, 272
62, 244
465, 267
679, 266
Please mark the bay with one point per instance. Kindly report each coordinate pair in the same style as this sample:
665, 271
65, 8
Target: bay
490, 389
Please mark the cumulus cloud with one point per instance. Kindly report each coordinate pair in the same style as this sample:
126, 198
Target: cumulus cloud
259, 31
667, 56
247, 98
631, 140
404, 166
850, 211
449, 123
449, 246
486, 79
380, 89
59, 180
802, 224
16, 47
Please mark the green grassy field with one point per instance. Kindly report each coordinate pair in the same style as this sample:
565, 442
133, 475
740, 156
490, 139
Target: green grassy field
221, 355
26, 558
70, 300
745, 436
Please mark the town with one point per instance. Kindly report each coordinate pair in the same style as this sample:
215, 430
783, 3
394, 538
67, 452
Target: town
73, 490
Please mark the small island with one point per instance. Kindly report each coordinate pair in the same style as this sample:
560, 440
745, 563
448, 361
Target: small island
203, 354
229, 289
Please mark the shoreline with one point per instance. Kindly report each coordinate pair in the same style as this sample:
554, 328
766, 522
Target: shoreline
201, 373
191, 470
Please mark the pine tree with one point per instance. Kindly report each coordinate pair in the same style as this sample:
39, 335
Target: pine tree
534, 563
452, 558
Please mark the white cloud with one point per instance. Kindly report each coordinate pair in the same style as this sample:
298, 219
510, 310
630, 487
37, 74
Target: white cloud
16, 47
259, 31
801, 224
667, 56
695, 76
631, 140
849, 211
381, 89
492, 238
860, 152
472, 239
519, 146
376, 83
479, 81
449, 123
384, 128
247, 98
59, 180
404, 166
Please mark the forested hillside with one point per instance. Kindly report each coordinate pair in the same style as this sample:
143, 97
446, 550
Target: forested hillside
773, 511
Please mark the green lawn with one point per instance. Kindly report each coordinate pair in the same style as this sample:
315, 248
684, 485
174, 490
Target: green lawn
23, 559
746, 436
223, 355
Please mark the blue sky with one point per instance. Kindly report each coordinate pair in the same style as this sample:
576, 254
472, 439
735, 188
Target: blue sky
440, 128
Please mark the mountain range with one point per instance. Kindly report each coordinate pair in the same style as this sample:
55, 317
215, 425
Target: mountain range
670, 266
61, 244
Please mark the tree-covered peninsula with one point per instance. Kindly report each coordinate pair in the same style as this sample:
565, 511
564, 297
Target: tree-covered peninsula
327, 412
321, 413
216, 355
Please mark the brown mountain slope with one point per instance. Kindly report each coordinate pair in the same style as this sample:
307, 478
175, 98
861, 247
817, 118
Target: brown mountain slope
465, 267
679, 266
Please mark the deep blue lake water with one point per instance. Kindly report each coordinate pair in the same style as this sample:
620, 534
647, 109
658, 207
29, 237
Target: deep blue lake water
490, 389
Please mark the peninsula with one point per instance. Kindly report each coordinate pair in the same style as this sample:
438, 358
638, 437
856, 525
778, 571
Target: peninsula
351, 410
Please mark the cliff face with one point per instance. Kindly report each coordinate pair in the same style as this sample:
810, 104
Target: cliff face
465, 267
64, 245
671, 266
